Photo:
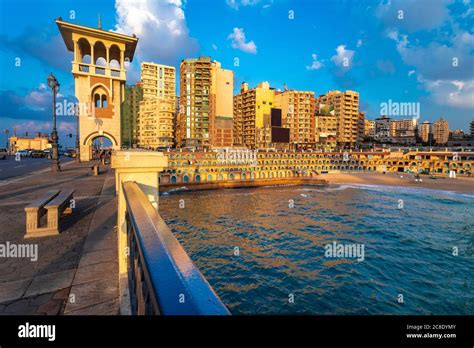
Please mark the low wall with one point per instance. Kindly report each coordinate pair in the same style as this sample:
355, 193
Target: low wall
211, 185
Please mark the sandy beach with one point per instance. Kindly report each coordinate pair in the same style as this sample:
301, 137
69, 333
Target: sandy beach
460, 184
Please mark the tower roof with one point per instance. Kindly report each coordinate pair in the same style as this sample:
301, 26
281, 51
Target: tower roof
67, 29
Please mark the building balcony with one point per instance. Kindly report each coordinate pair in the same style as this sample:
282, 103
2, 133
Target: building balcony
92, 69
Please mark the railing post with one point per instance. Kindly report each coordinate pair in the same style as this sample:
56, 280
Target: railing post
144, 168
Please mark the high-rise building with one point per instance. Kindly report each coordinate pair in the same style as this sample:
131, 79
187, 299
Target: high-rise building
361, 127
403, 131
441, 131
326, 131
298, 115
382, 129
345, 106
472, 128
369, 129
426, 132
158, 81
252, 111
157, 110
206, 110
130, 109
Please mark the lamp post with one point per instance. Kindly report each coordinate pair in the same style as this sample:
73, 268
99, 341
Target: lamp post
54, 85
6, 140
78, 156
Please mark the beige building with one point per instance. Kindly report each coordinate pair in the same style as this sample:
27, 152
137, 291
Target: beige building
252, 108
298, 115
369, 129
425, 130
205, 110
326, 131
40, 142
98, 67
158, 108
345, 106
441, 131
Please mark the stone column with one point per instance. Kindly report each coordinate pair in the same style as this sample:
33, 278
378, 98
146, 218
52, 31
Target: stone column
143, 167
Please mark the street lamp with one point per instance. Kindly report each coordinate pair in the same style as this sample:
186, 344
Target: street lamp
78, 157
6, 137
54, 85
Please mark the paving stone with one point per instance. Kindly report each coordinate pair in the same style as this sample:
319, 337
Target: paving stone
41, 299
51, 308
13, 290
20, 307
111, 307
50, 282
97, 257
93, 293
62, 294
95, 272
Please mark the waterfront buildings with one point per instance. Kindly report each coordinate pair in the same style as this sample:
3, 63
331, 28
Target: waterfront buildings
297, 109
206, 110
251, 108
441, 131
158, 108
345, 106
326, 131
382, 129
403, 131
369, 129
426, 132
130, 110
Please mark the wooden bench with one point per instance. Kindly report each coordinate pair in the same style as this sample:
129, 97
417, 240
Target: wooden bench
95, 170
54, 203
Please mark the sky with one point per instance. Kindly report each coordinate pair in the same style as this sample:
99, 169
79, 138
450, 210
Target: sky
403, 51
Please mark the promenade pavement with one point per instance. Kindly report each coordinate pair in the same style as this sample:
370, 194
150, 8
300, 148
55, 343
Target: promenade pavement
76, 272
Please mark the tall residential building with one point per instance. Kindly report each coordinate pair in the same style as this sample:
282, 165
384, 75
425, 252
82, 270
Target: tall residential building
158, 81
425, 131
205, 119
345, 106
158, 108
326, 131
472, 128
129, 118
361, 127
369, 129
252, 111
403, 131
382, 129
297, 115
441, 131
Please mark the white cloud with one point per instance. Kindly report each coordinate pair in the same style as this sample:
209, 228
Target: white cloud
343, 57
160, 26
454, 93
359, 43
239, 41
235, 4
316, 64
411, 72
214, 47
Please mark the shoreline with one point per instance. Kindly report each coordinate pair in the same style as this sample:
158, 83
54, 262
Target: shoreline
462, 185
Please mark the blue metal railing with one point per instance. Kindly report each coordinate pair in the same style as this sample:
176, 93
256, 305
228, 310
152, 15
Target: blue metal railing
162, 277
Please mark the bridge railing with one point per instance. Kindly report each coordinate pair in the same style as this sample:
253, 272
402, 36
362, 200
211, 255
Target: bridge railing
162, 277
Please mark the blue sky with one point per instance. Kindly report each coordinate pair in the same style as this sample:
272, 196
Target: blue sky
406, 56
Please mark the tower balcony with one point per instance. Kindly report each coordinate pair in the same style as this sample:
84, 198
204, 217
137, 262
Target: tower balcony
98, 70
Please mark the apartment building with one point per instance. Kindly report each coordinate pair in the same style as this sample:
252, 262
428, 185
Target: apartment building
298, 115
205, 119
345, 106
441, 131
326, 131
369, 129
157, 110
425, 131
252, 111
156, 123
130, 111
403, 131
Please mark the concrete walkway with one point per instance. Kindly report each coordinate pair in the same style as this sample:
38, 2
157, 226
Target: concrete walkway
75, 272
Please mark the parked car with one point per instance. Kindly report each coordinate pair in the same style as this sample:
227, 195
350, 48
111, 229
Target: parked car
48, 153
23, 153
70, 153
3, 153
37, 154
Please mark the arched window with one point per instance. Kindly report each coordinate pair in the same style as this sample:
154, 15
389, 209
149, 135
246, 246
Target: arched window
97, 100
104, 101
